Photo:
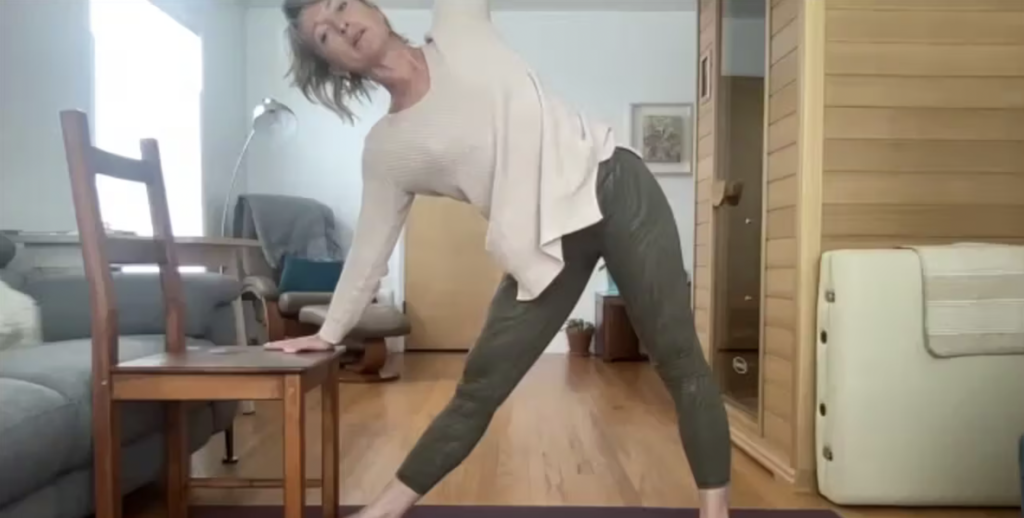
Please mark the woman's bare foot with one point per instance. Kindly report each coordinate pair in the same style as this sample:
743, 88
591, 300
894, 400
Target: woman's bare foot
393, 502
714, 503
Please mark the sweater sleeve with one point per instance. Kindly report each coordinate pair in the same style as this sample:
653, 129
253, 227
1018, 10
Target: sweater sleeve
461, 16
384, 210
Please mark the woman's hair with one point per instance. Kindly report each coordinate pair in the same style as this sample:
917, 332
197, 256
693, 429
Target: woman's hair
313, 75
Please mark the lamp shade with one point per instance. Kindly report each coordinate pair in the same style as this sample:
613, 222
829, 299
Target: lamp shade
273, 116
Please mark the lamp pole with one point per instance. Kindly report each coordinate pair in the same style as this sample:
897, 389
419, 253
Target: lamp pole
280, 117
231, 186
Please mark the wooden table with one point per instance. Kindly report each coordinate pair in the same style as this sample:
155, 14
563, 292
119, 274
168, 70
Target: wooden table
615, 339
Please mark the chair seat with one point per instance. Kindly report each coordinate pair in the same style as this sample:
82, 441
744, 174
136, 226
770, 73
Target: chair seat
291, 303
228, 360
378, 321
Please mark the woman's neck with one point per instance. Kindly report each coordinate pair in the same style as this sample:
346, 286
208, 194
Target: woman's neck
404, 73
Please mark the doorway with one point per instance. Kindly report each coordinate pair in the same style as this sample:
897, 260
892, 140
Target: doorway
737, 201
449, 277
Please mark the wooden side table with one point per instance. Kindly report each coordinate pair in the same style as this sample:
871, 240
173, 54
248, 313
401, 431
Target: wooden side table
615, 339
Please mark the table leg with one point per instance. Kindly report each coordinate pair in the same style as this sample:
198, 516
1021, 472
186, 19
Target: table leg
330, 416
234, 269
176, 470
294, 447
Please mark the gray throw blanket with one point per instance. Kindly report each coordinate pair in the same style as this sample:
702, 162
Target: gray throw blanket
288, 225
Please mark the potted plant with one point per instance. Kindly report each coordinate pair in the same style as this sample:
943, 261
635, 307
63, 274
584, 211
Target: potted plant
580, 333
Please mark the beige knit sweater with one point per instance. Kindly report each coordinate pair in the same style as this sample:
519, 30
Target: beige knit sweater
486, 133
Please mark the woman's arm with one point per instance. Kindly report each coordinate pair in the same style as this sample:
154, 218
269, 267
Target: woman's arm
466, 10
452, 16
383, 213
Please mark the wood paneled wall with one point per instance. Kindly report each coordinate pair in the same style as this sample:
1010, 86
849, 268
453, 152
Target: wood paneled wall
780, 229
709, 36
924, 122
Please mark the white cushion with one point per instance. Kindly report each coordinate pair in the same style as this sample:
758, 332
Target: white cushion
900, 426
20, 324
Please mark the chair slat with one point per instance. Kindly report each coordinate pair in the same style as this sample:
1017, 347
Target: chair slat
117, 166
134, 250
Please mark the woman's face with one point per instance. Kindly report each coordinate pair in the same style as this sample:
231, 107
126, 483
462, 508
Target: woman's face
348, 34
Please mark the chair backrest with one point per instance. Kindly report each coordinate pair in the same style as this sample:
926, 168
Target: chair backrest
100, 251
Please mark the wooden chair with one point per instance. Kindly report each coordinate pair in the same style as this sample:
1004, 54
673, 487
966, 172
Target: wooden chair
180, 374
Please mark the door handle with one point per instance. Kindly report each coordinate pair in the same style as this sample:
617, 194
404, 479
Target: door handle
726, 192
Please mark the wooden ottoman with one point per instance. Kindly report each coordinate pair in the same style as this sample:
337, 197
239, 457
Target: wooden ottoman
366, 356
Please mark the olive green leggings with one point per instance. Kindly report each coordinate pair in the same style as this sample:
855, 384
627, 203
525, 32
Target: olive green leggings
640, 243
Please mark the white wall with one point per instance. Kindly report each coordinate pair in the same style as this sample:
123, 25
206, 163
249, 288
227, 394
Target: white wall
599, 61
46, 65
226, 116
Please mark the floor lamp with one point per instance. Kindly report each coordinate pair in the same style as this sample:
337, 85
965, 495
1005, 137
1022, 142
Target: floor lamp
276, 119
271, 117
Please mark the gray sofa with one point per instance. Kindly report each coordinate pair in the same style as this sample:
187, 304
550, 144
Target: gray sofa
45, 404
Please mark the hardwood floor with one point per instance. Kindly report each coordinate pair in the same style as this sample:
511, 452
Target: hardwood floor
576, 432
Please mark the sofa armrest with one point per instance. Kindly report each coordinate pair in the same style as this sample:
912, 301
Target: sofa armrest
64, 303
264, 288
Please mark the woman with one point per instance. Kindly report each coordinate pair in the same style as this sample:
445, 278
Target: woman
469, 120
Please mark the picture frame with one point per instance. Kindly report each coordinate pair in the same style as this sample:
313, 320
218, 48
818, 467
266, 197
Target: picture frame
663, 135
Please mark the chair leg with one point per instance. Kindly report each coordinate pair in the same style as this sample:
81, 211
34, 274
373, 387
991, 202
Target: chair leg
229, 446
329, 437
275, 323
106, 454
371, 366
248, 407
177, 459
294, 447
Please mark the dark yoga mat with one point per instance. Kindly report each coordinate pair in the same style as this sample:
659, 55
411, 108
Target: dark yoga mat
429, 511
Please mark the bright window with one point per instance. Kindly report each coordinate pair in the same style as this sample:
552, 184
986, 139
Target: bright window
148, 84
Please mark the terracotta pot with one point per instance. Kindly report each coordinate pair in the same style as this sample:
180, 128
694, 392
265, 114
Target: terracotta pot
579, 342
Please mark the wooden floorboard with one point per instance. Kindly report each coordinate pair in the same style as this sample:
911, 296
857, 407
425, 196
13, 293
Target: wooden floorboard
575, 432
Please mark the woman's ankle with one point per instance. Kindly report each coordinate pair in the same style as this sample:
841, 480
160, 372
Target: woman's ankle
393, 502
714, 502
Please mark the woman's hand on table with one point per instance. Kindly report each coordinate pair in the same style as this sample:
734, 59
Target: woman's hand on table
302, 344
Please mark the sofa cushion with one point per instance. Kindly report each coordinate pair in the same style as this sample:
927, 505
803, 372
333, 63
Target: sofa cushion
35, 423
7, 250
48, 428
301, 274
64, 299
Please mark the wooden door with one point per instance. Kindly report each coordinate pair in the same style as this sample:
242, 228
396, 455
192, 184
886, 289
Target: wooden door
449, 277
709, 16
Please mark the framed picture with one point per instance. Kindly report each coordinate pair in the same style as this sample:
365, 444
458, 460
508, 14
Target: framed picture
663, 134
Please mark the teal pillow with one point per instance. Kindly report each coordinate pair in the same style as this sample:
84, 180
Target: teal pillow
306, 275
